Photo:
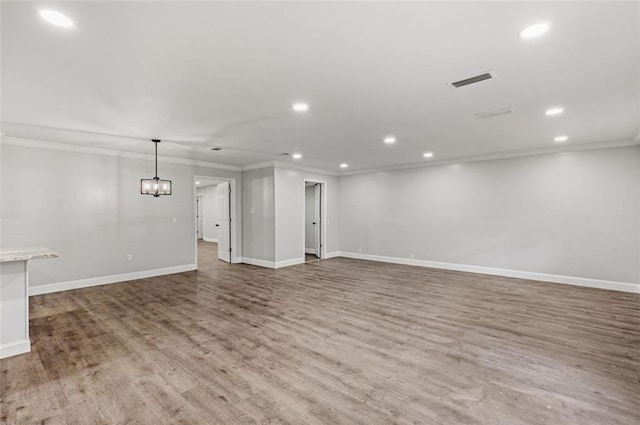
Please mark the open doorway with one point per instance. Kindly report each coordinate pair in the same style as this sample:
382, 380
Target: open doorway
313, 220
215, 209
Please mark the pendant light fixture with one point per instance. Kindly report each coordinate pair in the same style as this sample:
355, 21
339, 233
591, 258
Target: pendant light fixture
155, 186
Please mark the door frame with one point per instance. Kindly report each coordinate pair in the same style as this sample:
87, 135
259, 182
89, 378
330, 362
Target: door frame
198, 202
323, 216
235, 228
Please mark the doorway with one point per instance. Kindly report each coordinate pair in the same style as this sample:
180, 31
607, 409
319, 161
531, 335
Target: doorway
313, 220
215, 207
199, 217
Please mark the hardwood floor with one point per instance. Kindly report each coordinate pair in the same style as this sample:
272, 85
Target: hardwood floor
310, 257
336, 341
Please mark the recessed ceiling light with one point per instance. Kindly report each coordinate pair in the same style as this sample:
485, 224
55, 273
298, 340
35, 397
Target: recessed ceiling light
561, 138
197, 182
56, 18
428, 155
297, 155
300, 107
390, 139
344, 165
554, 111
534, 30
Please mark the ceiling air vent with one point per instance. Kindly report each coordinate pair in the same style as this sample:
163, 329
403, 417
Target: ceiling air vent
494, 113
472, 80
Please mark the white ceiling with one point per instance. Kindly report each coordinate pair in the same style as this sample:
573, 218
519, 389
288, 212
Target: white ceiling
226, 74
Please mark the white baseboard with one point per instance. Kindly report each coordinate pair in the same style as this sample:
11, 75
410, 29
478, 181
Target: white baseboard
103, 280
259, 263
333, 254
310, 251
287, 263
14, 348
272, 264
210, 240
567, 280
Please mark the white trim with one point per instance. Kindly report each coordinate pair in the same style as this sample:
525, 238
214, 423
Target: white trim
499, 155
288, 263
272, 264
259, 263
236, 216
333, 254
30, 143
18, 141
14, 348
103, 280
210, 240
258, 166
323, 215
310, 251
290, 165
568, 280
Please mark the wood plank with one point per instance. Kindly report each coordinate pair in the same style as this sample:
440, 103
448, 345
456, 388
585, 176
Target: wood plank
337, 341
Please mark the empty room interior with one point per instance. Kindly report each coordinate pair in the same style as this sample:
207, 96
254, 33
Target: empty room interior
338, 212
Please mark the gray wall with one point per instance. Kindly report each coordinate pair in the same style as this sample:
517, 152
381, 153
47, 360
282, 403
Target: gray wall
290, 198
88, 208
258, 214
572, 214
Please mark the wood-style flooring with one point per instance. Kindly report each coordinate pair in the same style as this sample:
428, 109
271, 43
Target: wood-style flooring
310, 257
336, 341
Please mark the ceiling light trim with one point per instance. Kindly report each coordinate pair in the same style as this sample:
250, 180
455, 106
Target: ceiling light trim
55, 18
534, 30
554, 112
300, 107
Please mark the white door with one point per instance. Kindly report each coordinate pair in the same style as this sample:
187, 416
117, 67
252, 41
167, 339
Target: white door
199, 218
317, 207
224, 223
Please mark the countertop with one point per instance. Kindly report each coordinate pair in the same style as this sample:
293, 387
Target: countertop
23, 254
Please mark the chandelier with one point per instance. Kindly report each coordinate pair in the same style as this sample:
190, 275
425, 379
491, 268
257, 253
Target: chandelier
155, 186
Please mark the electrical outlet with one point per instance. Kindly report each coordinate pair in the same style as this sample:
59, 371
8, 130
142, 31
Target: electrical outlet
412, 256
360, 250
129, 258
174, 220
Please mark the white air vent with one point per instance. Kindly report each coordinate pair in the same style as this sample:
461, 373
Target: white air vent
495, 113
472, 80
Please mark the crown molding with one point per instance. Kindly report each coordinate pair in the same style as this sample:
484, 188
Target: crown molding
258, 165
40, 144
267, 164
303, 168
500, 155
32, 143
